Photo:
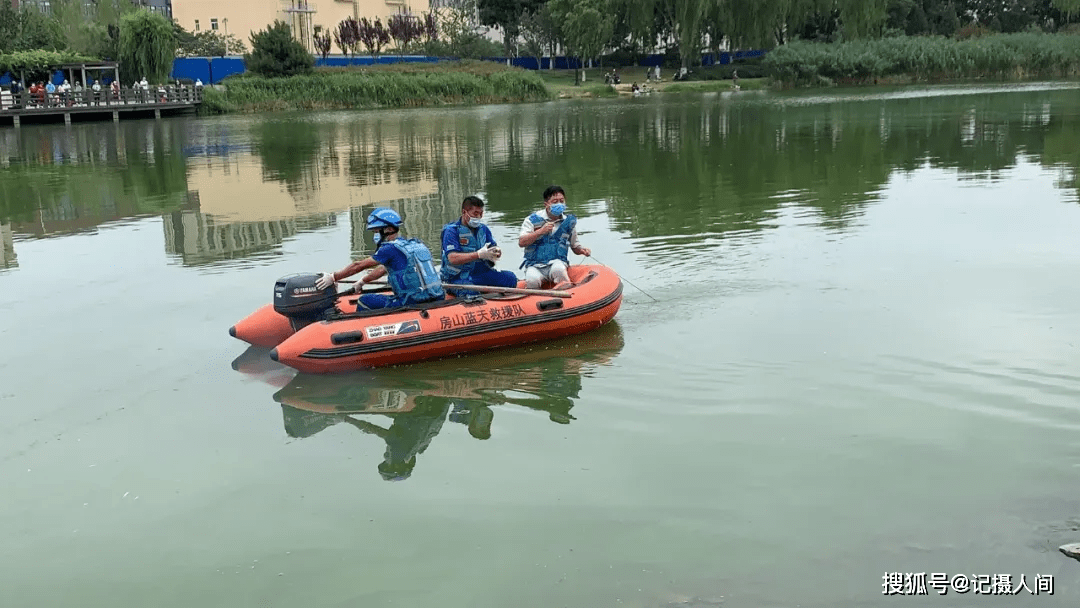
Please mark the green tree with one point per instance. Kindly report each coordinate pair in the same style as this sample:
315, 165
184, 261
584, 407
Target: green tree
584, 27
538, 30
9, 27
275, 53
207, 44
147, 46
1070, 8
29, 29
507, 15
862, 18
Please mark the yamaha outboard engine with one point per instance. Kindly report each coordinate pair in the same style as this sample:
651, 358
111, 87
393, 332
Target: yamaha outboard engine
297, 297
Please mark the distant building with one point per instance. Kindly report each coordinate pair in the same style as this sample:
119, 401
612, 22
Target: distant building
242, 18
158, 6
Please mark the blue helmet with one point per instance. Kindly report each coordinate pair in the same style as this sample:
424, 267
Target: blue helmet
383, 217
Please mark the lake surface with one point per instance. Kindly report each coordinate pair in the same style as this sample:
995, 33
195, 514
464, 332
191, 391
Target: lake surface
847, 348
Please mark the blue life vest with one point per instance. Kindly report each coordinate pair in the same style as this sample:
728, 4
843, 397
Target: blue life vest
418, 281
552, 246
473, 242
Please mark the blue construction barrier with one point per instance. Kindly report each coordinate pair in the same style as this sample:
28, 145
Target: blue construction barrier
223, 67
343, 61
212, 70
57, 78
191, 68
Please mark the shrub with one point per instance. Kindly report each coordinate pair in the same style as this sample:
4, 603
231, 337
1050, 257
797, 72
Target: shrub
927, 58
344, 88
275, 53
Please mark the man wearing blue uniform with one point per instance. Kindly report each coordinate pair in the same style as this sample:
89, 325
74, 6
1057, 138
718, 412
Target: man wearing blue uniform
408, 262
547, 235
469, 251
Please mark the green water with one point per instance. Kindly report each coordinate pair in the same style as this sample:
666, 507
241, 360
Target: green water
856, 356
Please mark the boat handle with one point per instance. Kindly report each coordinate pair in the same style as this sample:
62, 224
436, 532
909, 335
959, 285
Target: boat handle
347, 337
549, 304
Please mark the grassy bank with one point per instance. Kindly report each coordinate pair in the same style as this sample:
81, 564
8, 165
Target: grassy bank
926, 59
393, 85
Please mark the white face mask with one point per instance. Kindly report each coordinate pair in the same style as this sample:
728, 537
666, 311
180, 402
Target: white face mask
474, 222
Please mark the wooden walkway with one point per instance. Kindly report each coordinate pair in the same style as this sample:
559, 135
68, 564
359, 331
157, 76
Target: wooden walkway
100, 105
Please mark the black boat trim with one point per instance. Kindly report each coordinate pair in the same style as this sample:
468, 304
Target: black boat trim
412, 340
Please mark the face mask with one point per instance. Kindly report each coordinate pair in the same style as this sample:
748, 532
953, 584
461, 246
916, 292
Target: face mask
474, 222
557, 209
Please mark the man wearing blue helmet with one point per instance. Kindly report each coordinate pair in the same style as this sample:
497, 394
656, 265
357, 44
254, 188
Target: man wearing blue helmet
547, 235
469, 251
408, 262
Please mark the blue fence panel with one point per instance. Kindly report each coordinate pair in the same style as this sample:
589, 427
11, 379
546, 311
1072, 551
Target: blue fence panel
214, 70
331, 62
749, 54
192, 68
528, 63
223, 67
57, 79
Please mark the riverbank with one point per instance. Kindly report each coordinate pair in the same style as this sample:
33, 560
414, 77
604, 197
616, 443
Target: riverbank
887, 61
910, 59
379, 86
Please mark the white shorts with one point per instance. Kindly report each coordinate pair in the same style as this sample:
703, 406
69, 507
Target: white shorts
555, 271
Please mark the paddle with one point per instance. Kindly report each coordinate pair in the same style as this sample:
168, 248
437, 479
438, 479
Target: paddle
489, 289
352, 291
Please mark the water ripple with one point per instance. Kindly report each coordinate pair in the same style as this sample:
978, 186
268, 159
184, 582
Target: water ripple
1015, 393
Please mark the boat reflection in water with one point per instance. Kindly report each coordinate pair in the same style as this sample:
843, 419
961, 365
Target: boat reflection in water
419, 399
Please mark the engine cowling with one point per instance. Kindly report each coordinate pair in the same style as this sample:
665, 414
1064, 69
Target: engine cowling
296, 296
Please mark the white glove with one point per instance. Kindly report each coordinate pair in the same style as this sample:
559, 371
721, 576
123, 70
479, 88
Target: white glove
498, 252
487, 253
326, 279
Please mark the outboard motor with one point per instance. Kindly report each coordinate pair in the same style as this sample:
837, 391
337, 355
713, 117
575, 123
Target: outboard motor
297, 297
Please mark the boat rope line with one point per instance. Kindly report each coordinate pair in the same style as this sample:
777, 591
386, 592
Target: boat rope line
623, 278
546, 317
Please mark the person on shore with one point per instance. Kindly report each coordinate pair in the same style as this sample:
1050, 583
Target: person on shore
408, 262
469, 251
547, 235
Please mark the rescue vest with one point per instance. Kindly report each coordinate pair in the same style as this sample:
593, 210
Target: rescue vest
552, 246
467, 243
418, 281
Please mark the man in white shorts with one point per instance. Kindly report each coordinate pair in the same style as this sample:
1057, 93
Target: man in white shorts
547, 235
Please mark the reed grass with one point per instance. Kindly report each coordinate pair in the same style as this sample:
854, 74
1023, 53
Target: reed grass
375, 87
999, 57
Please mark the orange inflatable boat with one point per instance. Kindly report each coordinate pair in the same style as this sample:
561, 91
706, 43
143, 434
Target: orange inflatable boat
321, 334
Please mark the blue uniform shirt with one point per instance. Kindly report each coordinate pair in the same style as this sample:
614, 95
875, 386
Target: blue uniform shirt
450, 240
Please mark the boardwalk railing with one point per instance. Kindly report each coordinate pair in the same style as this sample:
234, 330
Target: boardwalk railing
155, 96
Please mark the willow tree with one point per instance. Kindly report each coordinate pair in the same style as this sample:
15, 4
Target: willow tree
863, 18
91, 28
147, 47
584, 27
1069, 7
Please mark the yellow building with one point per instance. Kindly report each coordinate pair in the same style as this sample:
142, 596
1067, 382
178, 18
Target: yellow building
242, 18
